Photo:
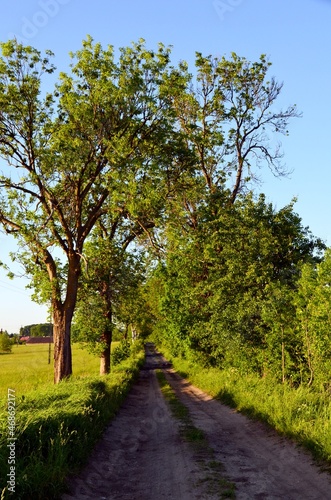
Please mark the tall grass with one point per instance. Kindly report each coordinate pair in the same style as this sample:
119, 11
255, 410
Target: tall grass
57, 426
300, 413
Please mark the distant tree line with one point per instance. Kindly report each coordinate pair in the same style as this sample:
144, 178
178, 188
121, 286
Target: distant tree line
37, 330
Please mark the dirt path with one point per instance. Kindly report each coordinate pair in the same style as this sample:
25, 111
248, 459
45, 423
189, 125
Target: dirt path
143, 457
262, 464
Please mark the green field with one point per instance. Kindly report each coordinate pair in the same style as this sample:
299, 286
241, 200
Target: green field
26, 368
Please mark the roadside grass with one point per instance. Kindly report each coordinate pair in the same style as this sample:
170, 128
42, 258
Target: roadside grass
214, 470
26, 368
58, 425
301, 413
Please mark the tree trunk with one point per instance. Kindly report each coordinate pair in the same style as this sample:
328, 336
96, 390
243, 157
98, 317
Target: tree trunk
133, 333
309, 356
239, 175
62, 317
62, 345
126, 331
105, 355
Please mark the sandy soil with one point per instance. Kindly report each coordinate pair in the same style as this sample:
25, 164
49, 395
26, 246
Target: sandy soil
143, 457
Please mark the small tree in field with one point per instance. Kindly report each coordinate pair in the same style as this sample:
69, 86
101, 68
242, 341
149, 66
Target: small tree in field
5, 342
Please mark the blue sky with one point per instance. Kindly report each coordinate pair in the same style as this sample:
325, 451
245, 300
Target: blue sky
294, 34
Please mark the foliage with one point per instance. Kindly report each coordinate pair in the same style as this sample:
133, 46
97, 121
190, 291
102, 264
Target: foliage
229, 255
220, 286
5, 343
112, 278
78, 153
37, 330
134, 153
313, 306
121, 352
228, 116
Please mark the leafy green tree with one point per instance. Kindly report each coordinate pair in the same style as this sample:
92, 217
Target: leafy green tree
37, 330
5, 342
314, 313
218, 281
111, 275
74, 154
228, 117
222, 248
114, 265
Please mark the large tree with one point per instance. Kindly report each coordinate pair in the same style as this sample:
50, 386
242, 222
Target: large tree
74, 154
222, 246
111, 284
232, 122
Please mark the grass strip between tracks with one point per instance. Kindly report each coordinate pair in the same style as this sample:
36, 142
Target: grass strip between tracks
214, 478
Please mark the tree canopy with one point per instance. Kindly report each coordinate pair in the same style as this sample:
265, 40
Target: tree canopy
130, 156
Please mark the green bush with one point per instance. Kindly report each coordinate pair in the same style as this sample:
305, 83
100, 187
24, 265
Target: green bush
5, 343
121, 352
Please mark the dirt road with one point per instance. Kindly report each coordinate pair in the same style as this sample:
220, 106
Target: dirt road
143, 457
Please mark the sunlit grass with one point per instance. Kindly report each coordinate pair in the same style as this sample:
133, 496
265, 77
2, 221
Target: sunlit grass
26, 368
